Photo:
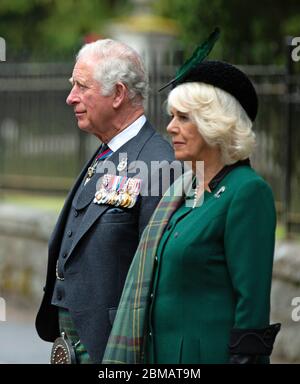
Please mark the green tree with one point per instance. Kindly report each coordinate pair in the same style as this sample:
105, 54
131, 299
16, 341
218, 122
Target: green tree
252, 31
52, 29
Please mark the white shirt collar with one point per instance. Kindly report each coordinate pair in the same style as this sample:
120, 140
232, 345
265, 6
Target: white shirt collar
128, 133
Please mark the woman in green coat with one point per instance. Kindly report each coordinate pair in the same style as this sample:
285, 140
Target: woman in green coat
198, 290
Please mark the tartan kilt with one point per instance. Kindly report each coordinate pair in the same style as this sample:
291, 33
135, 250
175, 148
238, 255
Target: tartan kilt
66, 325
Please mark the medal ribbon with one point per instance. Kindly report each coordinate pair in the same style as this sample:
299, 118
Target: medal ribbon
104, 154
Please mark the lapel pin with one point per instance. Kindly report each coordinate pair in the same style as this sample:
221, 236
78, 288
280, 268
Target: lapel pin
219, 192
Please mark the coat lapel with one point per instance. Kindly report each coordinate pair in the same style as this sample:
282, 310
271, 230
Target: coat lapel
126, 338
132, 149
58, 231
169, 203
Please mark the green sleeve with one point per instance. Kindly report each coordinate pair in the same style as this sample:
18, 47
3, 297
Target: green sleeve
249, 248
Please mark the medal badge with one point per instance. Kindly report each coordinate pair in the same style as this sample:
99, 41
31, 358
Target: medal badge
118, 191
90, 173
102, 156
122, 164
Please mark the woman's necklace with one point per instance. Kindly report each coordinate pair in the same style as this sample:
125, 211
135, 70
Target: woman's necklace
196, 195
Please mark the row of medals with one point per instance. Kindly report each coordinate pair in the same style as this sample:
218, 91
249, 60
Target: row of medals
125, 197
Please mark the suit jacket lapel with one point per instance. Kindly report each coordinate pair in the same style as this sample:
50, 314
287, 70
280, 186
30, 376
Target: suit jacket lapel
132, 149
57, 233
94, 211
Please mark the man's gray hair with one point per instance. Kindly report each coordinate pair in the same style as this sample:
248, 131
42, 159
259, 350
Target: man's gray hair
117, 62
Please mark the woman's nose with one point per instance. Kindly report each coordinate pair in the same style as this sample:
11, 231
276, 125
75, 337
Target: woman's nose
171, 128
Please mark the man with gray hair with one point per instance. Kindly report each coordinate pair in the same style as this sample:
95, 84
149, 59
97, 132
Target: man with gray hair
100, 225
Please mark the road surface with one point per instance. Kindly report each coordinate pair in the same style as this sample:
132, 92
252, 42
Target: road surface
19, 342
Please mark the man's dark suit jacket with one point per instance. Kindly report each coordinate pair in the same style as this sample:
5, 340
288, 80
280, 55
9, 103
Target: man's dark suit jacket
101, 250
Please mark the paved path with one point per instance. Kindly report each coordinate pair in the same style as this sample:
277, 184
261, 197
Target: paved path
19, 342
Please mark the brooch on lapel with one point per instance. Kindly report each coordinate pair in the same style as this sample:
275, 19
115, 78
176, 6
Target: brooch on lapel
219, 192
118, 191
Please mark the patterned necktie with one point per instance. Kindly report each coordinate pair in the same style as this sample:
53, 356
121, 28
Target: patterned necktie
104, 153
103, 148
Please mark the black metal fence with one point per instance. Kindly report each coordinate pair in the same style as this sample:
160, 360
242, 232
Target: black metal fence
42, 149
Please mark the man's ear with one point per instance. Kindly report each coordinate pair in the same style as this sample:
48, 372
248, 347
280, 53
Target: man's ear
120, 95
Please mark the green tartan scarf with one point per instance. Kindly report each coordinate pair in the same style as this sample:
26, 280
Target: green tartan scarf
125, 343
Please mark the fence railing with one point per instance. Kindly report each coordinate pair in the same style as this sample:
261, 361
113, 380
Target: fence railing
42, 149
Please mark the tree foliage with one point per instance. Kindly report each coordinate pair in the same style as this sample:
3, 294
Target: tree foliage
52, 29
252, 31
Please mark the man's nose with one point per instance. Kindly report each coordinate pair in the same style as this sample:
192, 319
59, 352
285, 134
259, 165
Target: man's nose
72, 97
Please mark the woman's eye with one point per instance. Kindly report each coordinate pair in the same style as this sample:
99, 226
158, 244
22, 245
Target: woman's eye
183, 117
171, 117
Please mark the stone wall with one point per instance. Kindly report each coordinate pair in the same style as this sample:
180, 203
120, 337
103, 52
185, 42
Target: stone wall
285, 288
24, 234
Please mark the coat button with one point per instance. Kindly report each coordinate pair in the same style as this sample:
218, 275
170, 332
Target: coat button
69, 233
151, 296
65, 255
156, 259
76, 213
176, 234
150, 334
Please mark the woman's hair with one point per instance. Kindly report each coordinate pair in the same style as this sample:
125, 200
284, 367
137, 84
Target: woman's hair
219, 117
117, 62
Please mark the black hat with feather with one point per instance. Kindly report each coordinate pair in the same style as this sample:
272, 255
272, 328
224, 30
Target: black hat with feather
219, 74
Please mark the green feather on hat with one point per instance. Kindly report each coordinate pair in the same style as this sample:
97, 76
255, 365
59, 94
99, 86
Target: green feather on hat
197, 57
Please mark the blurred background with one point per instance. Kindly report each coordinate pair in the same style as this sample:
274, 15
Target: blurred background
42, 150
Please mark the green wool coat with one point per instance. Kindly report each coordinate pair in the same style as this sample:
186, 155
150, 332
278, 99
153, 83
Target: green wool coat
213, 272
